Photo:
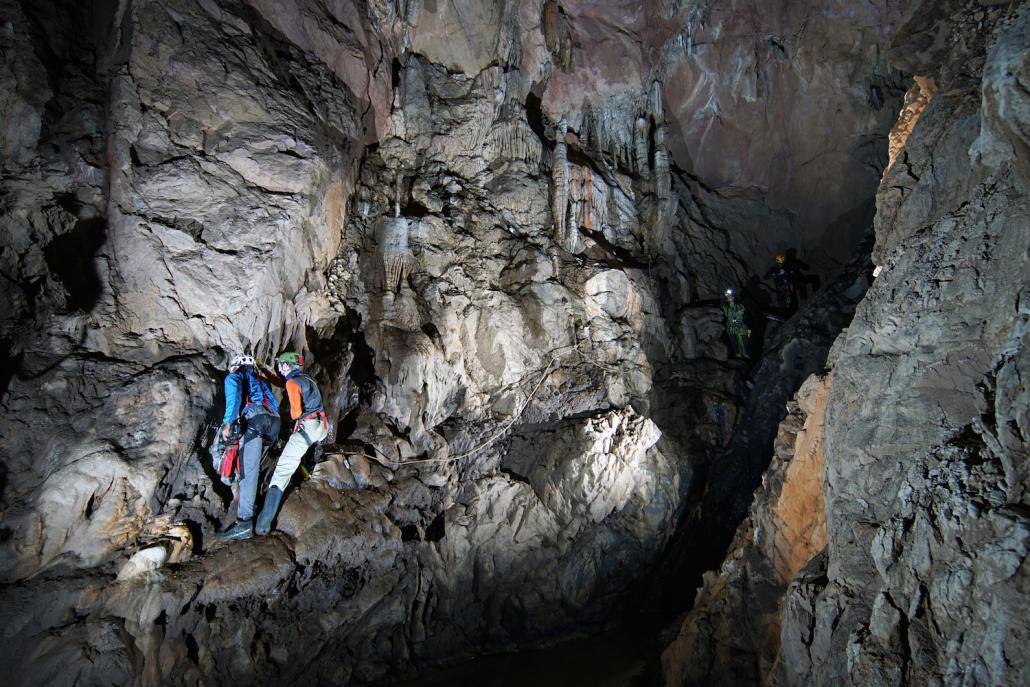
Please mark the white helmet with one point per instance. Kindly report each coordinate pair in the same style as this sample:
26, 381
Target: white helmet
240, 361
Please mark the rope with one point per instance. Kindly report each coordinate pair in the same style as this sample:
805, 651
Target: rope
494, 437
497, 435
500, 432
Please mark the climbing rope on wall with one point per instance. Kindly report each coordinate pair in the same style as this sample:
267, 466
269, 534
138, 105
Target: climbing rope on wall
558, 353
494, 437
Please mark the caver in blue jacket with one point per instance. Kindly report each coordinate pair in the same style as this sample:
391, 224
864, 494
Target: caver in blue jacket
244, 382
248, 396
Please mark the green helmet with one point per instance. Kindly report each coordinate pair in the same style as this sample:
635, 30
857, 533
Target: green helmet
290, 358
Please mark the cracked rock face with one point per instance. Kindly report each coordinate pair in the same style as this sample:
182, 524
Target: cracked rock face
499, 231
923, 577
736, 614
928, 580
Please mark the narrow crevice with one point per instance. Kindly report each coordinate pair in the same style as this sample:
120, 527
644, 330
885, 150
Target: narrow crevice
70, 258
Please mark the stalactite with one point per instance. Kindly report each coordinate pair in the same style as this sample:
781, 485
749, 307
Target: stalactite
581, 195
641, 145
572, 236
411, 10
662, 176
560, 180
550, 24
393, 253
600, 197
590, 126
510, 39
565, 54
557, 35
398, 181
656, 104
612, 217
513, 140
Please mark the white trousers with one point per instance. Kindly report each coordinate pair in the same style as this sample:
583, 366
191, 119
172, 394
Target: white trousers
295, 448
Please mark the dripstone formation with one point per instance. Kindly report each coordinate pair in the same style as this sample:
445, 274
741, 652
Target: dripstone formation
501, 232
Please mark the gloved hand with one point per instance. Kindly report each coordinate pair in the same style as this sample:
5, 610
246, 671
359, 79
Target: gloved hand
225, 431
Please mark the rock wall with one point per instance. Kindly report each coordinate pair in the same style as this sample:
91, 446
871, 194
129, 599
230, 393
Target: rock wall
925, 423
162, 219
731, 634
499, 230
923, 576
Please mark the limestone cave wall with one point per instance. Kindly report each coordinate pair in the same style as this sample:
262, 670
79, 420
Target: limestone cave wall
888, 541
499, 232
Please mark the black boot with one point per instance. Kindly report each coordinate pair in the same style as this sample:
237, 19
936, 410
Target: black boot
271, 506
241, 529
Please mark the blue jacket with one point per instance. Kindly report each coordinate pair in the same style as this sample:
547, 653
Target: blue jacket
245, 383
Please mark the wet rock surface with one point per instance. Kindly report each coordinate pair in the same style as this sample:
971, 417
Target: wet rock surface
500, 232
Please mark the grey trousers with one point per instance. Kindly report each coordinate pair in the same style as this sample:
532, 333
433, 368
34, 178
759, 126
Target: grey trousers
250, 468
262, 430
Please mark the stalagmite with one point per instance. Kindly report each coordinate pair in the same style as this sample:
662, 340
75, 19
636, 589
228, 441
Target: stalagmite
560, 180
640, 147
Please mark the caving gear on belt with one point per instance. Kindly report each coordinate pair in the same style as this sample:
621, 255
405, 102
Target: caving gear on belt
226, 454
245, 387
230, 466
298, 426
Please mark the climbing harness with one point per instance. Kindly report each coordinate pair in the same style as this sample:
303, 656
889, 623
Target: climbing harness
298, 426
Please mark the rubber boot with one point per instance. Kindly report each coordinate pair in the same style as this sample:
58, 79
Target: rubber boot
241, 529
271, 506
